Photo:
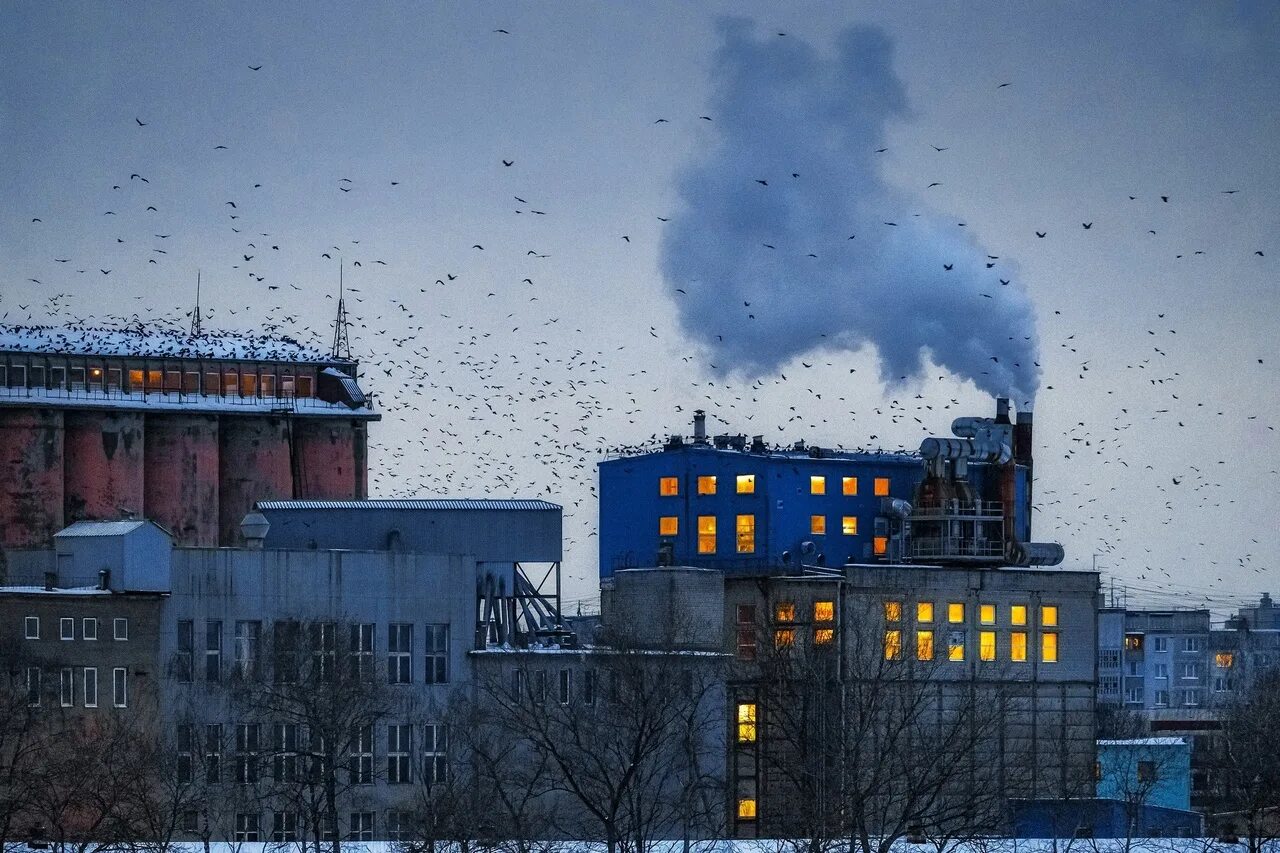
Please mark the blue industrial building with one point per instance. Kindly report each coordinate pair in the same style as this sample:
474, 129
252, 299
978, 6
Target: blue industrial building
1152, 771
742, 507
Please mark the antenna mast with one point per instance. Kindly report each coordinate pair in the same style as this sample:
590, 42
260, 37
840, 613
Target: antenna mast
341, 346
195, 315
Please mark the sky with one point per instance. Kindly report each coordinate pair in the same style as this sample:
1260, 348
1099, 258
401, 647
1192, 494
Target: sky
565, 226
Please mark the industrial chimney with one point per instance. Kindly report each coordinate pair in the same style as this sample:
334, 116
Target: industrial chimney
699, 427
1022, 453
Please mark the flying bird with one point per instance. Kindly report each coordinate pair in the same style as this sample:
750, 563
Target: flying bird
508, 162
140, 122
255, 67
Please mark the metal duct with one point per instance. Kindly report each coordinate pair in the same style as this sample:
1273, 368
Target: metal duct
1037, 553
895, 507
985, 449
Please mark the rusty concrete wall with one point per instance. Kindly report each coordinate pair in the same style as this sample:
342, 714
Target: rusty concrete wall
254, 463
325, 459
31, 476
181, 477
103, 465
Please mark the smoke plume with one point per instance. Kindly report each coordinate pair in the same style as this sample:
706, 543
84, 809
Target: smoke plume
809, 126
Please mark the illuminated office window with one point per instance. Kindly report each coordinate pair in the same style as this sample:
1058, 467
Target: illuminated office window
924, 611
955, 612
1018, 614
824, 636
882, 486
849, 525
746, 484
707, 485
1018, 646
880, 545
955, 646
987, 614
746, 534
924, 645
668, 486
706, 534
747, 808
746, 722
824, 611
987, 645
893, 645
817, 524
893, 611
849, 485
784, 611
784, 638
817, 485
1049, 647
668, 525
1049, 616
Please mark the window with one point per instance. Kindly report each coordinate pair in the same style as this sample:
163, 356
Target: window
33, 686
32, 626
986, 645
746, 722
746, 534
1191, 698
66, 628
924, 645
362, 651
955, 646
437, 671
183, 658
817, 485
746, 643
89, 628
893, 645
1018, 614
247, 827
924, 611
245, 649
1133, 642
746, 484
189, 822
706, 534
284, 760
1049, 647
987, 614
398, 825
784, 611
1162, 698
399, 653
589, 685
66, 689
304, 386
1146, 771
361, 826
247, 747
1018, 646
361, 765
190, 382
784, 638
435, 763
284, 827
824, 611
1160, 644
818, 525
893, 611
213, 753
1192, 644
668, 525
565, 685
824, 636
849, 485
1224, 660
668, 486
120, 628
324, 651
399, 740
1049, 616
880, 545
747, 808
185, 768
519, 685
955, 613
1191, 670
1162, 670
707, 485
120, 687
881, 486
849, 525
90, 693
213, 650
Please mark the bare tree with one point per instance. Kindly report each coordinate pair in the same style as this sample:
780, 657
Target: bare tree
23, 741
1245, 767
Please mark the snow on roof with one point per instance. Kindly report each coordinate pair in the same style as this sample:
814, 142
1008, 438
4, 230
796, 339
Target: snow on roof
426, 504
101, 528
155, 342
1145, 741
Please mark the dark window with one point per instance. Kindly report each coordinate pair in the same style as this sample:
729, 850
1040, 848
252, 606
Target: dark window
437, 654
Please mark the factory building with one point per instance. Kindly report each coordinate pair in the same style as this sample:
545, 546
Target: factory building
185, 430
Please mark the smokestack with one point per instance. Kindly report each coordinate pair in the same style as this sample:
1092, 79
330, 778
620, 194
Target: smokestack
1023, 448
1002, 410
699, 427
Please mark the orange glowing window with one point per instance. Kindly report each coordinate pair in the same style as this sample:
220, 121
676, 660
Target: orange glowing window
849, 525
1049, 616
784, 611
746, 534
668, 525
987, 645
955, 612
893, 611
924, 611
849, 485
987, 614
817, 524
707, 485
893, 645
668, 486
746, 484
1018, 614
817, 485
824, 611
747, 808
706, 534
824, 636
784, 638
882, 486
924, 645
1018, 646
880, 545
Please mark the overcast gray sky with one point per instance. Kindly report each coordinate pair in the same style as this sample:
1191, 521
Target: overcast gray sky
1156, 447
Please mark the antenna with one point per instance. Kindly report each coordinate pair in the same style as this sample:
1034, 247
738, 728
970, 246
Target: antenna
195, 315
341, 346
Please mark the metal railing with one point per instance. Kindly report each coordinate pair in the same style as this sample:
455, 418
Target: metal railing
959, 509
955, 548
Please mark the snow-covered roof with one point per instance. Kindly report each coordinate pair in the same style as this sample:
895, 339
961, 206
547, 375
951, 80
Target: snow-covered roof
1145, 741
156, 342
100, 528
425, 504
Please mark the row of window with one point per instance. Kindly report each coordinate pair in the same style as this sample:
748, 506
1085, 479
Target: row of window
287, 828
67, 628
1135, 642
823, 616
745, 484
1015, 646
225, 383
88, 692
987, 613
532, 686
745, 531
320, 655
295, 755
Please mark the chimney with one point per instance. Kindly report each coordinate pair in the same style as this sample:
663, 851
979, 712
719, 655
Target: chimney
1023, 447
699, 427
1002, 410
50, 581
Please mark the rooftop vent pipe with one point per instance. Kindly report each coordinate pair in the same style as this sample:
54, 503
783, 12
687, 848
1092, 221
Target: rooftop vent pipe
699, 427
254, 529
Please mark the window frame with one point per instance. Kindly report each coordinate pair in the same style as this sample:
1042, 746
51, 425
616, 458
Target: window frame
120, 687
745, 484
89, 697
706, 484
668, 487
67, 628
849, 486
120, 628
31, 628
817, 484
85, 624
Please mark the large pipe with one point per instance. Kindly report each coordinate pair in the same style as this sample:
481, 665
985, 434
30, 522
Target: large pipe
986, 450
1023, 447
699, 427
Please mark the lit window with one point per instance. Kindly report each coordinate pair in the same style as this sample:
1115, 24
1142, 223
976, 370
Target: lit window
1049, 616
1224, 660
784, 611
707, 485
784, 638
1049, 647
706, 534
955, 612
823, 636
746, 809
1018, 614
893, 611
849, 525
893, 645
746, 530
824, 611
880, 544
987, 614
817, 485
924, 645
987, 645
849, 485
668, 525
1018, 646
924, 611
746, 722
668, 486
817, 524
747, 486
882, 486
955, 646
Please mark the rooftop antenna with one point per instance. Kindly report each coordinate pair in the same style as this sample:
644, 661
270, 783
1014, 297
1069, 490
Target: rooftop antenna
195, 315
341, 346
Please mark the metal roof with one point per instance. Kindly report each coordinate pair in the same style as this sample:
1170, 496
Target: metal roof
156, 342
99, 528
413, 504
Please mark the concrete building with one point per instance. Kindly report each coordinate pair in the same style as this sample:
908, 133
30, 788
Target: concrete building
185, 430
1146, 771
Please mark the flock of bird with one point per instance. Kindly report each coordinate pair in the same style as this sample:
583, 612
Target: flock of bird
523, 399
